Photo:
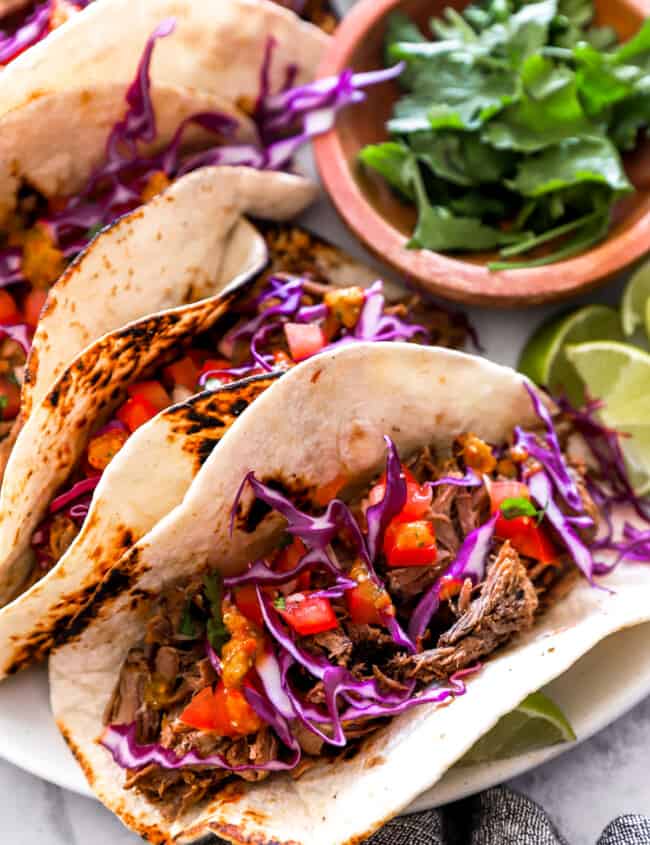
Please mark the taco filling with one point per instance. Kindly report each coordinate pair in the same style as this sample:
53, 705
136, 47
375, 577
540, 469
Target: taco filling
385, 599
26, 26
43, 235
282, 321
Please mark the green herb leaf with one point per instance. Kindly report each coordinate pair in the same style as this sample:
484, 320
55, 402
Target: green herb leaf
572, 162
548, 111
217, 632
394, 161
188, 627
461, 157
94, 230
516, 506
279, 603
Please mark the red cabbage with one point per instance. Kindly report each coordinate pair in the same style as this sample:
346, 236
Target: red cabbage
470, 562
121, 741
541, 491
260, 573
268, 670
10, 266
87, 485
213, 657
470, 479
269, 714
379, 516
551, 456
20, 333
34, 29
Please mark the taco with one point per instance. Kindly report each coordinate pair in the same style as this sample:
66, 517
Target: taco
88, 475
388, 529
126, 135
24, 23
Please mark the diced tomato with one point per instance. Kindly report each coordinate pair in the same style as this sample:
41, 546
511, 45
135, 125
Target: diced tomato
33, 305
136, 412
309, 614
450, 586
502, 490
183, 372
212, 364
199, 356
222, 710
368, 600
410, 543
9, 398
151, 391
528, 538
304, 339
418, 497
103, 447
288, 559
9, 312
247, 603
281, 360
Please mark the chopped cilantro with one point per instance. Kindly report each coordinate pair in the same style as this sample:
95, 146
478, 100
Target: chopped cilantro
517, 506
280, 603
217, 632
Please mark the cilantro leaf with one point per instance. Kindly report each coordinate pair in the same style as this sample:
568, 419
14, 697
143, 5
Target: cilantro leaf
461, 157
394, 161
572, 162
280, 603
516, 506
548, 111
217, 632
187, 626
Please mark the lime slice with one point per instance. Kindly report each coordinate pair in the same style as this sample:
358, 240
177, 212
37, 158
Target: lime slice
537, 723
543, 359
633, 303
619, 374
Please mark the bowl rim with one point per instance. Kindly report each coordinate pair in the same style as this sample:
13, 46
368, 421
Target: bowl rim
446, 275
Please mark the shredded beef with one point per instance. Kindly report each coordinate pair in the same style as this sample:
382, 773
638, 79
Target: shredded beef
441, 517
309, 742
336, 644
506, 605
408, 582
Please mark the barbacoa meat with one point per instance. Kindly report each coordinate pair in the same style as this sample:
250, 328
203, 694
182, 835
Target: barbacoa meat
506, 605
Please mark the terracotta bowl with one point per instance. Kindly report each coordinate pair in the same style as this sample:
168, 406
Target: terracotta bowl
384, 223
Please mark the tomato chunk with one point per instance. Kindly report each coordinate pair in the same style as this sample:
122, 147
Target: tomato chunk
222, 710
152, 391
410, 543
526, 535
418, 497
183, 372
247, 603
288, 559
304, 339
308, 614
213, 365
9, 312
136, 412
367, 601
9, 398
33, 305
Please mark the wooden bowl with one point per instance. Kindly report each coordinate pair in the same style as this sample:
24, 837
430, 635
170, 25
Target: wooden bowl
384, 223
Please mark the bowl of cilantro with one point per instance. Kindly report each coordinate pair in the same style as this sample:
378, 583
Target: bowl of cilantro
509, 163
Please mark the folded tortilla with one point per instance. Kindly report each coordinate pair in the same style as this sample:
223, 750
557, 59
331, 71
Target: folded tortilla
151, 474
325, 418
217, 64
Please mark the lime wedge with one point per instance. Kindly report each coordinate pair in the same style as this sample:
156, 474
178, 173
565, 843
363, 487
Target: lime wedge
619, 374
633, 303
537, 723
543, 359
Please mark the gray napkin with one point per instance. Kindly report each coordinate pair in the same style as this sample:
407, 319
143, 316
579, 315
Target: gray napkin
498, 817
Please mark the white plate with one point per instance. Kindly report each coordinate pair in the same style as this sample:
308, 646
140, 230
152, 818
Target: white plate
600, 688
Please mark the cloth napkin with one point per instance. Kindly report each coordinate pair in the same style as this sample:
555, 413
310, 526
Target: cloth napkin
498, 817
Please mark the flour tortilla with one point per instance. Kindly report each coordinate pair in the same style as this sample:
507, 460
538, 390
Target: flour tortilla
152, 472
218, 46
327, 417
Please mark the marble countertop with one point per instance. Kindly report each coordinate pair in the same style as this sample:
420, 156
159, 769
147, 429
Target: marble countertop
582, 791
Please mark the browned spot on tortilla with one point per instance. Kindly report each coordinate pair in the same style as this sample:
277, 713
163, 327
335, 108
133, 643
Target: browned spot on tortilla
203, 420
70, 616
375, 760
85, 766
257, 816
316, 376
